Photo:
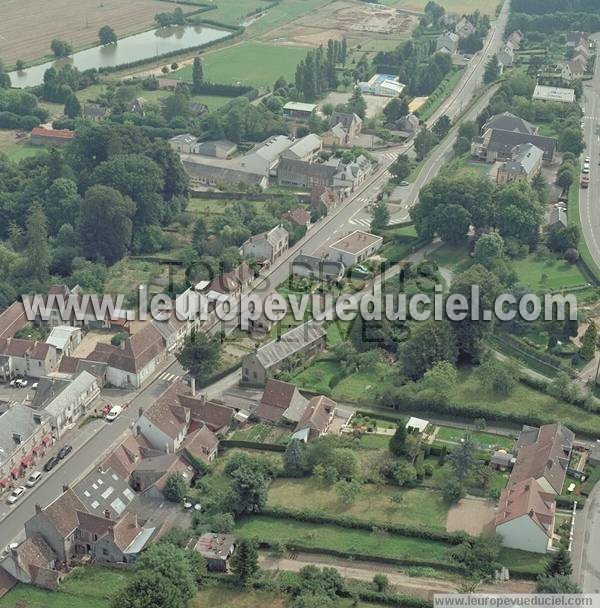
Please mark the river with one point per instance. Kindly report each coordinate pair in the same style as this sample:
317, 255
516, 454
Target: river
132, 48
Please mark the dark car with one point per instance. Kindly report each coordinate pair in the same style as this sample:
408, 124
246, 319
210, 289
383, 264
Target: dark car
51, 463
64, 451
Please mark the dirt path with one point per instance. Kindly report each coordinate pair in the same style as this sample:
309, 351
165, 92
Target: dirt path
364, 571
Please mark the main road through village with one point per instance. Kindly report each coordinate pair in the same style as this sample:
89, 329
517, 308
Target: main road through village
97, 437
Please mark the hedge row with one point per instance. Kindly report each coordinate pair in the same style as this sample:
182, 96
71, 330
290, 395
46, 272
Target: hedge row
545, 358
397, 561
543, 385
566, 502
410, 404
345, 521
252, 445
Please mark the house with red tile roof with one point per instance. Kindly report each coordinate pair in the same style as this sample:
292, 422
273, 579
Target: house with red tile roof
525, 516
201, 444
281, 400
216, 416
316, 419
12, 320
544, 454
51, 137
165, 424
298, 216
134, 361
33, 562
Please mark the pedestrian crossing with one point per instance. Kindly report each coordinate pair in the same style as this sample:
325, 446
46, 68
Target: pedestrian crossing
390, 156
362, 222
167, 377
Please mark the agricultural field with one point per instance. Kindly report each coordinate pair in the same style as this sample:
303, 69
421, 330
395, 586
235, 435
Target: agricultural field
27, 38
486, 7
418, 507
358, 22
248, 63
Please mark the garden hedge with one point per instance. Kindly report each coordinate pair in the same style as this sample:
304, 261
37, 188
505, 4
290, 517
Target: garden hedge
252, 445
345, 521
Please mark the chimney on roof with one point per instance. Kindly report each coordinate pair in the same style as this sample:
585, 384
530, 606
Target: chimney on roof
138, 430
140, 412
65, 488
106, 514
38, 508
531, 513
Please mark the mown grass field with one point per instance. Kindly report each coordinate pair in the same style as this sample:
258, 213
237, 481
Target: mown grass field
522, 400
249, 63
310, 536
548, 274
485, 440
486, 7
418, 507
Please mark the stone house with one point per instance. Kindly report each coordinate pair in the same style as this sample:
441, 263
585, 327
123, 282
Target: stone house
304, 341
266, 247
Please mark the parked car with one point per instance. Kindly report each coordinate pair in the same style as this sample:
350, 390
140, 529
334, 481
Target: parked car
34, 386
21, 383
13, 382
115, 411
15, 495
64, 451
51, 464
33, 479
404, 183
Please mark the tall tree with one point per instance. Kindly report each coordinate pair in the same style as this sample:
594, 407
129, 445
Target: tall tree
294, 460
401, 167
244, 562
559, 564
381, 217
424, 142
197, 75
397, 444
72, 106
442, 126
107, 35
38, 252
462, 458
200, 354
492, 70
148, 590
588, 343
357, 103
105, 224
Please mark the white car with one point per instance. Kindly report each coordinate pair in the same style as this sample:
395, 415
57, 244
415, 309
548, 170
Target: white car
586, 169
21, 383
587, 159
33, 479
15, 495
115, 411
34, 386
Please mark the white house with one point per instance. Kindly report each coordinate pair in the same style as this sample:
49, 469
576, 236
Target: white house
65, 339
355, 247
525, 517
266, 246
165, 423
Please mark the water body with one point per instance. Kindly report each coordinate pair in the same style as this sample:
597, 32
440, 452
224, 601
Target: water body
132, 48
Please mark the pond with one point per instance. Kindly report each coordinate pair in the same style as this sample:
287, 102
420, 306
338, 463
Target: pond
132, 48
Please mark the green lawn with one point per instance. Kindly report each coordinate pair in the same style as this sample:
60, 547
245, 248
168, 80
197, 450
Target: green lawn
484, 440
310, 536
453, 257
212, 101
248, 63
90, 587
317, 378
551, 274
522, 400
372, 441
419, 506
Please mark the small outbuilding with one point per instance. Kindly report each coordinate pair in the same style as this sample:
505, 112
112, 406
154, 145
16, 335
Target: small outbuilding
216, 549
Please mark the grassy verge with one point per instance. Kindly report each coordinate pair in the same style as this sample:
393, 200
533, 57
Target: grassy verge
575, 218
438, 96
484, 440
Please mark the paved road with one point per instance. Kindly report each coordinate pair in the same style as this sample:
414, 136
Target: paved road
589, 205
586, 544
94, 440
90, 443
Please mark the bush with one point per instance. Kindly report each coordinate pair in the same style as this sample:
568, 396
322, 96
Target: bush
118, 338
